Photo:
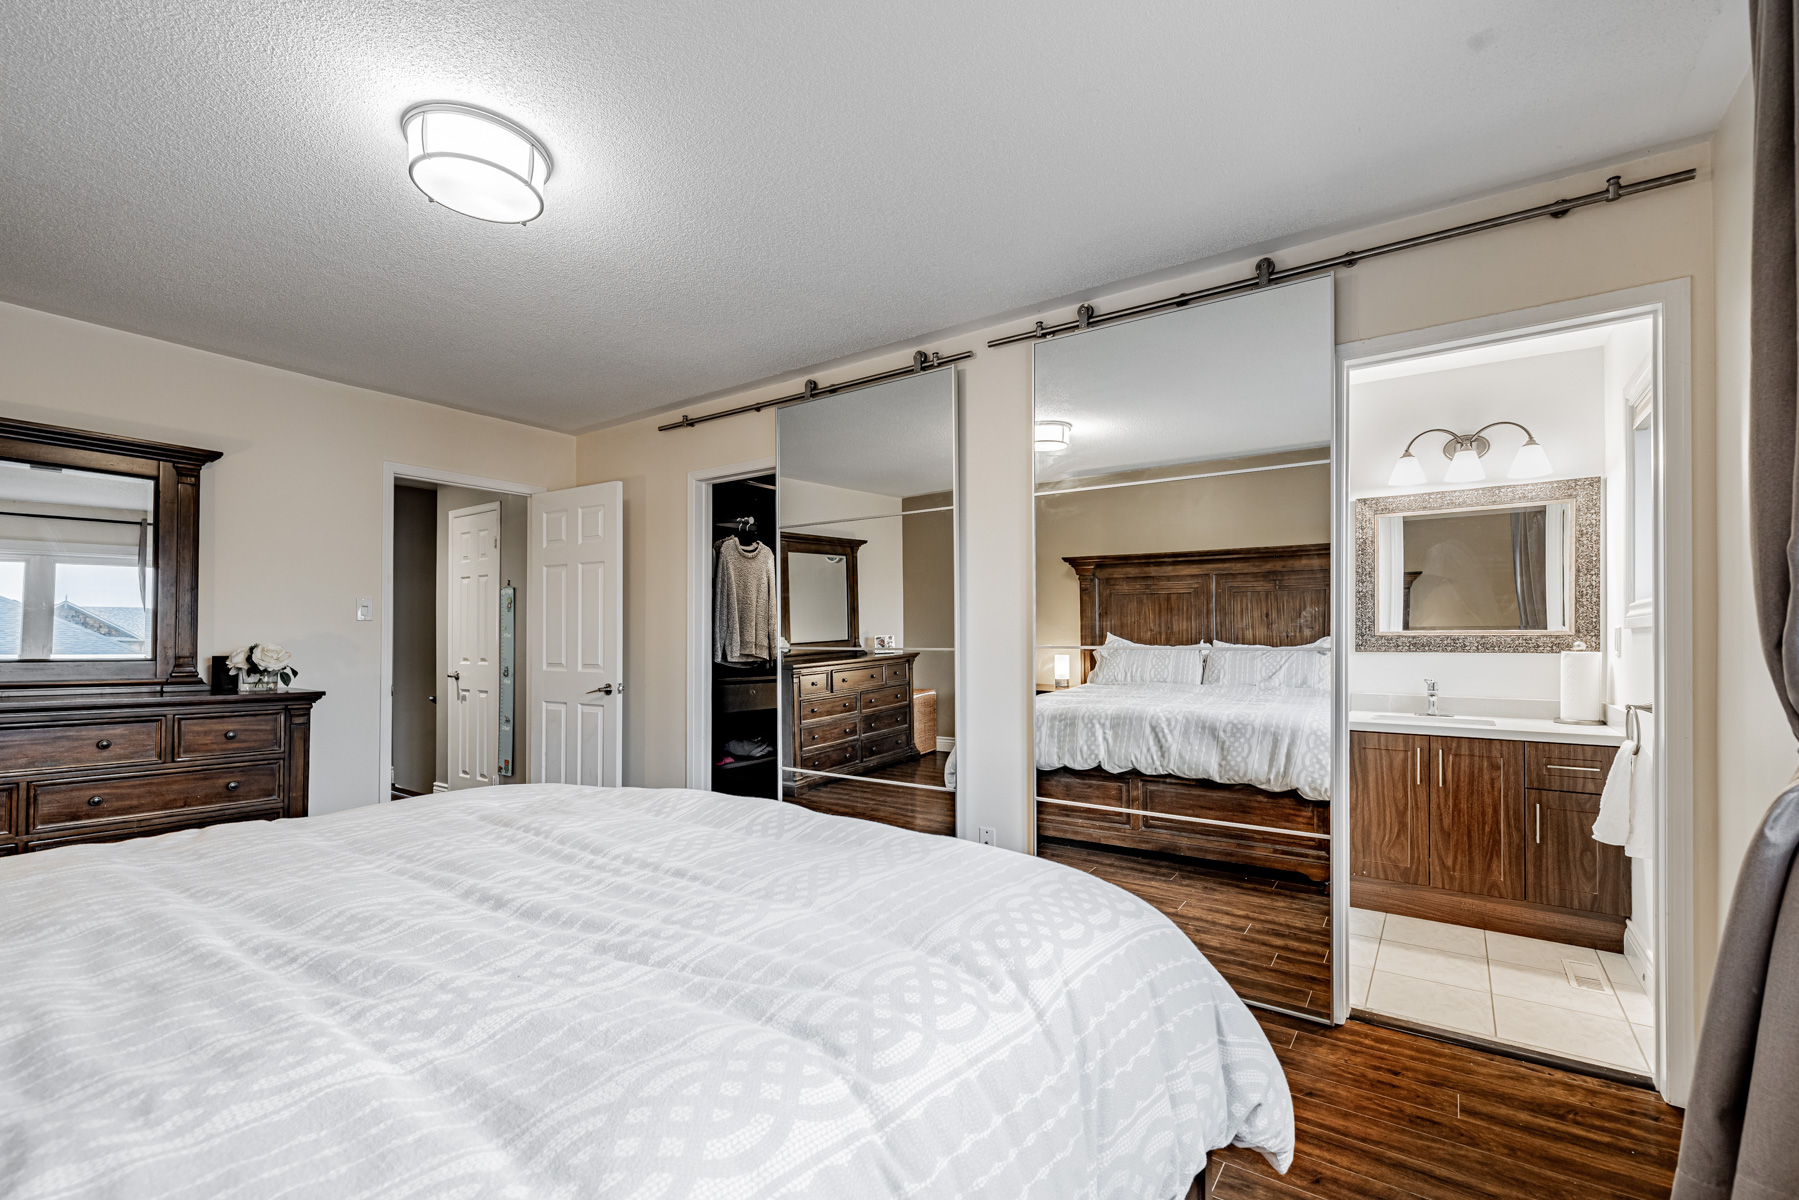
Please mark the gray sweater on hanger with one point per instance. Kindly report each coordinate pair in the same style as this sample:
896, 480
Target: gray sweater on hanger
744, 606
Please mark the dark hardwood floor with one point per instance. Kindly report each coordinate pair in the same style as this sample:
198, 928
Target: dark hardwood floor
907, 807
1268, 935
1389, 1115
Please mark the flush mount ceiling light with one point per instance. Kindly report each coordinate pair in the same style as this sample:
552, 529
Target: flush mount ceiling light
1052, 436
1464, 452
477, 163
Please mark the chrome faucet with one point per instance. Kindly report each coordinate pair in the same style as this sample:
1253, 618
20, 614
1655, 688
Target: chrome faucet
1430, 692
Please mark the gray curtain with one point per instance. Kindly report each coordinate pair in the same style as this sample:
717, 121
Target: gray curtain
1529, 534
1741, 1140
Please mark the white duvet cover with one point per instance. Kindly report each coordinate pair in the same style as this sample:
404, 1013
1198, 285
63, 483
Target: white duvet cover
547, 991
1271, 738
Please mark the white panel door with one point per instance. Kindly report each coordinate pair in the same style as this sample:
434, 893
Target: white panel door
474, 650
574, 640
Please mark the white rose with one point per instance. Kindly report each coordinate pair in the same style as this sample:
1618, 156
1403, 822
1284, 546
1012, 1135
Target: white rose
238, 660
269, 656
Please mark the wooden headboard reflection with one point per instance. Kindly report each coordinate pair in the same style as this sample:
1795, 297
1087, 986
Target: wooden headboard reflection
1260, 595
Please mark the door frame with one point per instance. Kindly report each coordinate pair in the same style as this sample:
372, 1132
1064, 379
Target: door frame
699, 610
1668, 305
448, 632
391, 474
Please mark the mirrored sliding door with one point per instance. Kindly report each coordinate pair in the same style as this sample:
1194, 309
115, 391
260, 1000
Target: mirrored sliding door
1184, 666
867, 562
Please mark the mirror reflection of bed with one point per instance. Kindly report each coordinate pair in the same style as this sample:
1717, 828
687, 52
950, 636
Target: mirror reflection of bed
868, 622
1183, 729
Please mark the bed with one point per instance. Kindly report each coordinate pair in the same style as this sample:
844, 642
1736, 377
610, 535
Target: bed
1236, 774
546, 991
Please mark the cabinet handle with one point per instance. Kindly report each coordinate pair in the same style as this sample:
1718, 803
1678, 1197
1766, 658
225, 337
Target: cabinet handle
103, 744
1559, 767
232, 786
1439, 766
1418, 764
231, 735
95, 801
1539, 824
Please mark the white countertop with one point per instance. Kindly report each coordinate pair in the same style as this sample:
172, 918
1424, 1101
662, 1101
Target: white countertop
1512, 729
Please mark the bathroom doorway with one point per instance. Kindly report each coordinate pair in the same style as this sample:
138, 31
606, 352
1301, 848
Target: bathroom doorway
1511, 793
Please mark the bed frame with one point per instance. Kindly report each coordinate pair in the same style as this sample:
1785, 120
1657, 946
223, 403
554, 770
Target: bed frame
1263, 596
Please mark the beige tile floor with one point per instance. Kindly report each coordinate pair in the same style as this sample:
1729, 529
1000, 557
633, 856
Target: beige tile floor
1494, 985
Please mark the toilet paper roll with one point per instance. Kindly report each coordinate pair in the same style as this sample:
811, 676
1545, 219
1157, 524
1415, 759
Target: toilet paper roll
1583, 685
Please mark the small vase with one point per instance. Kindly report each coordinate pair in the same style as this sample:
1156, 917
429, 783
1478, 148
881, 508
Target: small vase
266, 681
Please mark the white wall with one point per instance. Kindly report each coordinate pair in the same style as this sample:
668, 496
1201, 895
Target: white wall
1560, 398
880, 565
1755, 746
290, 517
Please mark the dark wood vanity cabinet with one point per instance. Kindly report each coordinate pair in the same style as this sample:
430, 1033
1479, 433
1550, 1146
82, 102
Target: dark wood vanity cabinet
1486, 832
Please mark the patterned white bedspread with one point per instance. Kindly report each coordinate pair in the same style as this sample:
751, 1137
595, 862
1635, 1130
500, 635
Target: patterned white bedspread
1271, 738
548, 991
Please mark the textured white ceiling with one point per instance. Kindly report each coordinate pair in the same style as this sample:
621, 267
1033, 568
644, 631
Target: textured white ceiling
1249, 375
745, 190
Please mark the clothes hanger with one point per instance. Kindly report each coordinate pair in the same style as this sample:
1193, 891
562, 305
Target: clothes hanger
746, 532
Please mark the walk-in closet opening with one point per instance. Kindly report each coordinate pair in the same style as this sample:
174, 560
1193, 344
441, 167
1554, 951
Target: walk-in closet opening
744, 646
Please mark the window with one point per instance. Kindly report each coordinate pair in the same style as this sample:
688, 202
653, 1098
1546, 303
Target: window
12, 606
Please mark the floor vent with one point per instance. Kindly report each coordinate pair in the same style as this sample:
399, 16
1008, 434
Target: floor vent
1585, 976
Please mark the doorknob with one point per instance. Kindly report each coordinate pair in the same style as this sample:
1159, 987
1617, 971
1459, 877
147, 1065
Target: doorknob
607, 690
456, 675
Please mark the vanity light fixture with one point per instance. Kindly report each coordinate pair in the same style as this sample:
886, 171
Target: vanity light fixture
1464, 452
1052, 436
475, 162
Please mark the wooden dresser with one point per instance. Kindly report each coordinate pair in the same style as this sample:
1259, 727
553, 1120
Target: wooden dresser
100, 770
1487, 832
847, 714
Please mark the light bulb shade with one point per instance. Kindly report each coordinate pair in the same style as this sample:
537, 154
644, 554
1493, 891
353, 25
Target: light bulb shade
1062, 667
1532, 461
475, 163
1052, 435
1464, 468
1407, 472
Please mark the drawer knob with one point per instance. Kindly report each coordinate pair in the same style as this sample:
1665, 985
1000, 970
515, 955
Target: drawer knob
231, 735
95, 801
232, 786
103, 744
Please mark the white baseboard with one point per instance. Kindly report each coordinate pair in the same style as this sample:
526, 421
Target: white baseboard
1640, 957
440, 787
945, 745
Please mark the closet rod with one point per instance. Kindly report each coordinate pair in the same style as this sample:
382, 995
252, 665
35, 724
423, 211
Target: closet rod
921, 362
1266, 273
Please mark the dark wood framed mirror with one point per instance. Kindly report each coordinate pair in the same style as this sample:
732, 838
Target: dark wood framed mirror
99, 559
819, 605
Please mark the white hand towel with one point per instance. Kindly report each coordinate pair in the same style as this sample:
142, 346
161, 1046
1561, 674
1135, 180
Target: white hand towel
1641, 843
1612, 826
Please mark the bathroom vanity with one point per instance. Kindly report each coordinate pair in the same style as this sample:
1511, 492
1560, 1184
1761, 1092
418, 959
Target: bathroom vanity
1486, 822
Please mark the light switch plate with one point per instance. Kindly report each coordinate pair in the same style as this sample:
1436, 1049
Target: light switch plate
365, 609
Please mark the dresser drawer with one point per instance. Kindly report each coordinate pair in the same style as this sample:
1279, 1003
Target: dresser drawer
899, 672
205, 737
830, 757
1555, 767
825, 732
884, 698
826, 707
885, 744
62, 805
854, 679
814, 683
881, 720
103, 744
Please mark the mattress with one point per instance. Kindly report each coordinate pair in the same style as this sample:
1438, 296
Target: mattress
1271, 738
555, 991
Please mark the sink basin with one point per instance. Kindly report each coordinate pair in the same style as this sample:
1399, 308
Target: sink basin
1417, 719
